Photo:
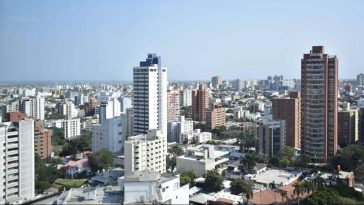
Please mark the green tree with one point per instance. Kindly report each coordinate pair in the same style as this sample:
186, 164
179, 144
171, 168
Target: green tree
298, 190
44, 175
248, 163
188, 177
213, 181
103, 159
240, 186
174, 152
287, 152
323, 196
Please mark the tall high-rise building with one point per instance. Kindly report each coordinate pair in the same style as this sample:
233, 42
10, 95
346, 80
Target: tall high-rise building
146, 152
125, 103
90, 106
360, 79
216, 81
215, 117
129, 122
109, 109
72, 128
348, 125
175, 129
288, 109
200, 101
150, 96
173, 107
319, 101
17, 161
186, 97
33, 107
68, 110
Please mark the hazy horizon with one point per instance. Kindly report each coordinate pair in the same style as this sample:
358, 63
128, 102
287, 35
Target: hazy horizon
103, 40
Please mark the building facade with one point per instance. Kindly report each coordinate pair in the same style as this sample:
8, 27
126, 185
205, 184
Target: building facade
173, 105
146, 152
175, 129
150, 96
319, 102
110, 135
200, 101
72, 128
348, 125
42, 141
215, 117
271, 136
288, 109
17, 161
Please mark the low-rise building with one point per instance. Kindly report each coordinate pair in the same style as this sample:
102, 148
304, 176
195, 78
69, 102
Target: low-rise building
201, 159
195, 137
150, 187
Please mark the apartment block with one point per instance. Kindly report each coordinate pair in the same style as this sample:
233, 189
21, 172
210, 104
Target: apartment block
42, 140
319, 104
146, 152
200, 101
271, 136
215, 117
289, 109
17, 161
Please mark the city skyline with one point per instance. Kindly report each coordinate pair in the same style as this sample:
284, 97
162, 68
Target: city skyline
61, 41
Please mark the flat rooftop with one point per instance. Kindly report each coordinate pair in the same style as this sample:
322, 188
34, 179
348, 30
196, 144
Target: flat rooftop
274, 175
105, 195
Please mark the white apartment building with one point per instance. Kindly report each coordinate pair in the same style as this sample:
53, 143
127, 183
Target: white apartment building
109, 109
72, 128
125, 103
33, 107
175, 129
196, 137
110, 134
17, 161
147, 187
146, 152
186, 97
201, 159
150, 96
68, 110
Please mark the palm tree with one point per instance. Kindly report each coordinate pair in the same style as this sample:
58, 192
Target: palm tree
308, 186
248, 162
319, 181
249, 194
298, 190
283, 194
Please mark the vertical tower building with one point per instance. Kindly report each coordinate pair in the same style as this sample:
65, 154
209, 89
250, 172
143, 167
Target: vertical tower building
288, 109
200, 101
319, 93
216, 81
173, 105
271, 136
360, 79
150, 96
16, 161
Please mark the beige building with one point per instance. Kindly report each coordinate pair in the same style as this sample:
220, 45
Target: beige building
146, 152
173, 105
215, 116
348, 126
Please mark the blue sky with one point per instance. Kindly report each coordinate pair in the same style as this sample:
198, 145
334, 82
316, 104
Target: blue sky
103, 40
